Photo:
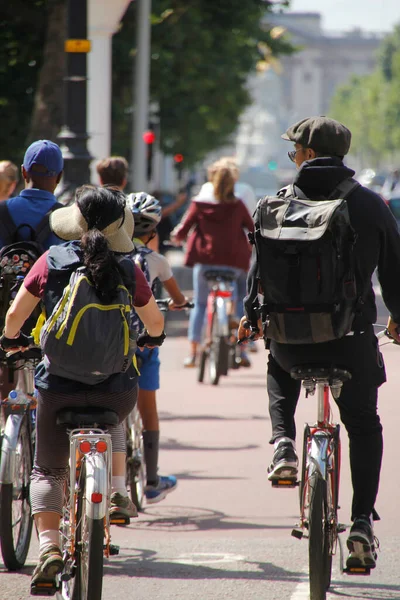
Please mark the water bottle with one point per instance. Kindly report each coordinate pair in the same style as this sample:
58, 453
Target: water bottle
17, 397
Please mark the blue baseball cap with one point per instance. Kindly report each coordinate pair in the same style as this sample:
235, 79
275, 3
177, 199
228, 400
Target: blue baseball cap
44, 153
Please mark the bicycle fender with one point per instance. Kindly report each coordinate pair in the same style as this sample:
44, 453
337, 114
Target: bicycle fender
96, 483
318, 456
223, 323
9, 448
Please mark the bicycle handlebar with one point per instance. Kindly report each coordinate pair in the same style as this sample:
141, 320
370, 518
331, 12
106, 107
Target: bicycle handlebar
385, 333
23, 343
249, 338
163, 305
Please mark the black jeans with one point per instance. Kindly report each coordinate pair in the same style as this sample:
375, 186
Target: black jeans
357, 404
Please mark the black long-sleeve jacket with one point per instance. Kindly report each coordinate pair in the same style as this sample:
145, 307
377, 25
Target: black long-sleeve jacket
378, 238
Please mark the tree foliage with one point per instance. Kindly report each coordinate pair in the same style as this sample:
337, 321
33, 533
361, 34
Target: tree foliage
370, 107
22, 34
202, 53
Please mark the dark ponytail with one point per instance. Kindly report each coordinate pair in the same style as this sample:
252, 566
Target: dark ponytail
102, 266
100, 207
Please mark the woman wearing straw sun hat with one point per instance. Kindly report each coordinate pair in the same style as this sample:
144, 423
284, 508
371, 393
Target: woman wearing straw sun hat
98, 230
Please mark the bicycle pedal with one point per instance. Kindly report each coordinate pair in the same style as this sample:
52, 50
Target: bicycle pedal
44, 588
297, 533
357, 571
341, 527
114, 549
285, 483
119, 520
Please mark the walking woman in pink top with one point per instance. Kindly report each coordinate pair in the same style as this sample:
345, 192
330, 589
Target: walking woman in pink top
215, 226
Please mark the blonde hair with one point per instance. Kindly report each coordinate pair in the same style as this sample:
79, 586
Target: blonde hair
223, 180
8, 177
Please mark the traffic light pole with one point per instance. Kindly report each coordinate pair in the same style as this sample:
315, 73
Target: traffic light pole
73, 136
141, 96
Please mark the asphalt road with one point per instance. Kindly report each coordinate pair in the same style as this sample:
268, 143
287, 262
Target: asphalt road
225, 533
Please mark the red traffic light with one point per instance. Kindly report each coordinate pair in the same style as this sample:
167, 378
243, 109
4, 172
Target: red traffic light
178, 158
149, 137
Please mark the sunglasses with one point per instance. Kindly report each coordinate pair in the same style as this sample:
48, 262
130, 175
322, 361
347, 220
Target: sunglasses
292, 154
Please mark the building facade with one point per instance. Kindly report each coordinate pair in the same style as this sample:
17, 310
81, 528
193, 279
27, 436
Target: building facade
303, 85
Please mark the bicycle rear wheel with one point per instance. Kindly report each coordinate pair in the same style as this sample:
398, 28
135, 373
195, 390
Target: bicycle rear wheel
320, 559
15, 517
90, 545
332, 498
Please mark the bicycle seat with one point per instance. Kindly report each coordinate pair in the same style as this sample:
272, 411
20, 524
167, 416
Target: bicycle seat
86, 417
320, 372
216, 274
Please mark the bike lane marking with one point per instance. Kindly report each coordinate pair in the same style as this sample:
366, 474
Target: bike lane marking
302, 591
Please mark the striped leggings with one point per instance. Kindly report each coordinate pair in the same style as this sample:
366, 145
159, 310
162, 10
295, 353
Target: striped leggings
50, 467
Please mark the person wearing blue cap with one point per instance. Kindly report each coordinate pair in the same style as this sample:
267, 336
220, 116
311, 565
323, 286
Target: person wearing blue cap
42, 170
22, 217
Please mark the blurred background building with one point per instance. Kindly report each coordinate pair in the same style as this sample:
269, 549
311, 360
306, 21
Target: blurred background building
296, 87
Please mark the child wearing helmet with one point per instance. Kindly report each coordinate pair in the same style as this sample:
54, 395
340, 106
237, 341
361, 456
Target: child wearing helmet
147, 214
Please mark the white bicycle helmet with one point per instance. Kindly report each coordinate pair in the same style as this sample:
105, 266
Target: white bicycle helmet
146, 211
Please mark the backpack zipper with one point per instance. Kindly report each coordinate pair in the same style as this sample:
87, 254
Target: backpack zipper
121, 307
99, 306
60, 308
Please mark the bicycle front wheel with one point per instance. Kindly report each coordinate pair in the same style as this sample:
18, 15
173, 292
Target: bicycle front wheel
320, 559
15, 517
135, 465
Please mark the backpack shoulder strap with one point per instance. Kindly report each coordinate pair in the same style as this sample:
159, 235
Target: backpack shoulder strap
344, 188
43, 230
8, 228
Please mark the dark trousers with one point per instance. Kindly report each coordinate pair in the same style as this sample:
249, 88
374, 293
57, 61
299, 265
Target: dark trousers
357, 405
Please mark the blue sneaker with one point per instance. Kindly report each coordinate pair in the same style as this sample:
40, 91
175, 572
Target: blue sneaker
156, 493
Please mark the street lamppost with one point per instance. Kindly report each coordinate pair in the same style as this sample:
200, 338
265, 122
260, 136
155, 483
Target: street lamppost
141, 96
73, 135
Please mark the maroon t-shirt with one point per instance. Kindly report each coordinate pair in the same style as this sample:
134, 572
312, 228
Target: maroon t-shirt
35, 282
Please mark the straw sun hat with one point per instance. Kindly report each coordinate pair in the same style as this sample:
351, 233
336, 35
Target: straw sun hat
68, 223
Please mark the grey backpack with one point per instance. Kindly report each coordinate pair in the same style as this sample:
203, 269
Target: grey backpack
85, 339
305, 266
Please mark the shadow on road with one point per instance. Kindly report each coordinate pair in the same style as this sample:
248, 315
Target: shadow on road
182, 519
195, 475
145, 564
174, 444
166, 416
375, 591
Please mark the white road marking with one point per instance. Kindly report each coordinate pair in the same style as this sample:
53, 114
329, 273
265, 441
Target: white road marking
203, 558
302, 591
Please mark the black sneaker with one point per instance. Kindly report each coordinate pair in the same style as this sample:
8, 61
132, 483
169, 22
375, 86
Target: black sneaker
284, 462
362, 544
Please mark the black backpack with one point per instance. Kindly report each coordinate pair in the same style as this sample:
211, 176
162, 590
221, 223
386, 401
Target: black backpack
305, 266
17, 256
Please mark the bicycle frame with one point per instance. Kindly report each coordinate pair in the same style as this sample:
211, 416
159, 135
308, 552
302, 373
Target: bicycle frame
320, 451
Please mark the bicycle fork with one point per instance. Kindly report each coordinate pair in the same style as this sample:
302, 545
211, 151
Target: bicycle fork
8, 461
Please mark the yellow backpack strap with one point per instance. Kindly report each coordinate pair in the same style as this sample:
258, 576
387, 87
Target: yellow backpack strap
135, 365
39, 324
